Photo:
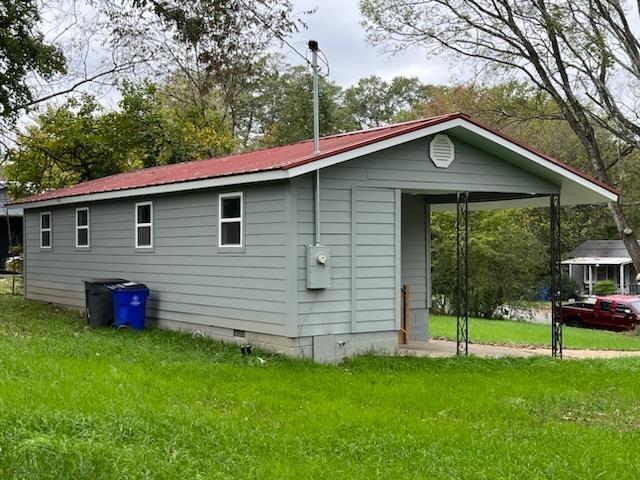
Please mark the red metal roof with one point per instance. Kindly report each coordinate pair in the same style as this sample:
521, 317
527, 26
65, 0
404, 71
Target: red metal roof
282, 158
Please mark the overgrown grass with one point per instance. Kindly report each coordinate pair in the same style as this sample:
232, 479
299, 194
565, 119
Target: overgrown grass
77, 403
506, 332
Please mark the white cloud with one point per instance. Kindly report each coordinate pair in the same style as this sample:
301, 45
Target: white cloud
336, 26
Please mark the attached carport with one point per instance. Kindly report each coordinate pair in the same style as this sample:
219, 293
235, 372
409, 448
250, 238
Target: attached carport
568, 186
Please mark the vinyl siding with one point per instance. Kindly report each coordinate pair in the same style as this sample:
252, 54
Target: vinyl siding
191, 279
360, 220
263, 287
413, 256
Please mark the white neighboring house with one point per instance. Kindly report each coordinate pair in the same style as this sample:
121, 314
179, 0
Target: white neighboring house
596, 260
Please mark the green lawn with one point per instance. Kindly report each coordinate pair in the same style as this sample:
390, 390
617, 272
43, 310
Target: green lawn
505, 332
83, 404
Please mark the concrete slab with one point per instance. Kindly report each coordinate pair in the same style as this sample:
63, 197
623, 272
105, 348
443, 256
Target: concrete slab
446, 348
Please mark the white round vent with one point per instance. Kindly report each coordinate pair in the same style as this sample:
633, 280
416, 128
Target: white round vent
441, 150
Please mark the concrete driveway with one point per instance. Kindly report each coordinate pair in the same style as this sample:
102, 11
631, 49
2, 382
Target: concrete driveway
446, 348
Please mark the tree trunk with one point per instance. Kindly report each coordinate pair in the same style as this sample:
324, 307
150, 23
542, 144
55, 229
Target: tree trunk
627, 234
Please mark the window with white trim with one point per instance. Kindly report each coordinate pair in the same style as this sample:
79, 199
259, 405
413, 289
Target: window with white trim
82, 227
144, 225
230, 213
45, 230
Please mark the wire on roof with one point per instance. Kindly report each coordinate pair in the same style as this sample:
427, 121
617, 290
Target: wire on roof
275, 33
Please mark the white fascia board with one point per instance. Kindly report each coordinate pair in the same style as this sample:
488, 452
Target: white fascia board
540, 160
597, 261
458, 122
166, 188
248, 177
327, 162
372, 148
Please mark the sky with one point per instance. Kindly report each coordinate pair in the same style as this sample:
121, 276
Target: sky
336, 26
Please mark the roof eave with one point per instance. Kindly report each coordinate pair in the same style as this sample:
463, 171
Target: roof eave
323, 160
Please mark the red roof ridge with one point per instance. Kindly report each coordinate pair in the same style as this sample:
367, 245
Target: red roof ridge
389, 126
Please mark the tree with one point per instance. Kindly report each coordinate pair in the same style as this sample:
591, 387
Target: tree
372, 102
80, 141
23, 52
583, 53
217, 46
286, 115
505, 241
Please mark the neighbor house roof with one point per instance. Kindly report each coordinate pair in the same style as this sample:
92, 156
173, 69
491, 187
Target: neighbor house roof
289, 161
605, 252
5, 202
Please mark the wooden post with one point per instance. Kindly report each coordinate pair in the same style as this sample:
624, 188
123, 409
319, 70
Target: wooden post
404, 321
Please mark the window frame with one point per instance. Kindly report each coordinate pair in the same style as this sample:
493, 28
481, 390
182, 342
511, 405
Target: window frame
49, 229
138, 225
83, 227
240, 219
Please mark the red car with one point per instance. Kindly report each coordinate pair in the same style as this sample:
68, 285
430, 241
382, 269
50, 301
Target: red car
612, 312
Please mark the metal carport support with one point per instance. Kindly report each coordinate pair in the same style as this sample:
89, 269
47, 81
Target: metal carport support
462, 273
556, 277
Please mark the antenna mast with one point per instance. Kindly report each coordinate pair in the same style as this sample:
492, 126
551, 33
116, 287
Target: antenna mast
313, 46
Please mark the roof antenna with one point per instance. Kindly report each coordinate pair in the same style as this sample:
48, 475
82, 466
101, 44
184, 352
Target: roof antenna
313, 46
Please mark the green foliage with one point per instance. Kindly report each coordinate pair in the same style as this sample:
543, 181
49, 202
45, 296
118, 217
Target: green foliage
506, 258
514, 333
16, 262
23, 52
571, 288
81, 141
222, 34
288, 116
91, 404
372, 102
604, 287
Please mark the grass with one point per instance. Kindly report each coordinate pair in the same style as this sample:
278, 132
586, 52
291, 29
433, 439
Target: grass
508, 332
77, 403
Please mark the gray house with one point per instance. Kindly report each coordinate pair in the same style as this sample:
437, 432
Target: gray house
317, 254
596, 260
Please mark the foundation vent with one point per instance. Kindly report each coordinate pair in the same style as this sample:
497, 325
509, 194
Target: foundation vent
441, 150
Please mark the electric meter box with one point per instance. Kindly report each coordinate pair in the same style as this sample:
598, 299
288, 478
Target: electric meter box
318, 267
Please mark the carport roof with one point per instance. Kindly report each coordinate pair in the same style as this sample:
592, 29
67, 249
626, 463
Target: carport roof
298, 158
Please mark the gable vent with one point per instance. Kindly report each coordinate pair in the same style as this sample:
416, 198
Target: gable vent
441, 150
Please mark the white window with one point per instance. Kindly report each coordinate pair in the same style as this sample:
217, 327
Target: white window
45, 230
230, 212
144, 225
82, 227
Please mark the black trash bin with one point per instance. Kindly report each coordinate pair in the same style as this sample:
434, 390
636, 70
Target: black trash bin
98, 302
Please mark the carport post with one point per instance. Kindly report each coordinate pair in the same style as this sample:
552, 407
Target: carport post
622, 279
462, 273
556, 277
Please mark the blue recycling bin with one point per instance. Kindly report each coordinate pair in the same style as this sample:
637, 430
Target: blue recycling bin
129, 304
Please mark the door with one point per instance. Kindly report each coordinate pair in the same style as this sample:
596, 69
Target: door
604, 315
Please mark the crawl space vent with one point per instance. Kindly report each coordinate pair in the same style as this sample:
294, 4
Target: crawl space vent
441, 151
